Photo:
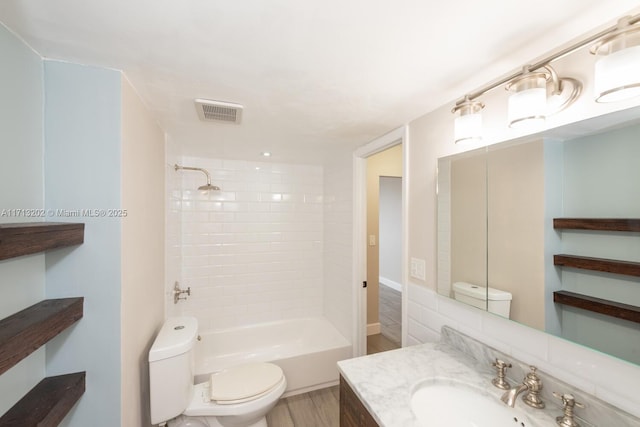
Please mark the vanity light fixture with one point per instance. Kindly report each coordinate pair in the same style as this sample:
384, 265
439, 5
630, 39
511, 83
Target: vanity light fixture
468, 125
537, 95
528, 100
617, 72
538, 91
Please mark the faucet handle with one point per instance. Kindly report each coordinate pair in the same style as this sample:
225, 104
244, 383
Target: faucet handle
532, 380
499, 381
177, 292
501, 364
534, 386
568, 403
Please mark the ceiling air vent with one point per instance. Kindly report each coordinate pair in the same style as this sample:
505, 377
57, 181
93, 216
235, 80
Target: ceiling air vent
218, 111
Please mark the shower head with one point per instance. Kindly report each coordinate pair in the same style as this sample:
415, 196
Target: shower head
207, 186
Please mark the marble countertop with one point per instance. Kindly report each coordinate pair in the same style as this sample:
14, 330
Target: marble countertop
385, 381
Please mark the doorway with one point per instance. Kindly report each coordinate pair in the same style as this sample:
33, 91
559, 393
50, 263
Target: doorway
390, 258
384, 227
380, 244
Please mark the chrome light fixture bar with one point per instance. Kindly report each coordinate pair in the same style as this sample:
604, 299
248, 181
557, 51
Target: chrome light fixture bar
617, 78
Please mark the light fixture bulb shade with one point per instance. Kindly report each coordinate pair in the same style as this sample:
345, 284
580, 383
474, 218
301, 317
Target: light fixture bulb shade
617, 75
468, 128
528, 107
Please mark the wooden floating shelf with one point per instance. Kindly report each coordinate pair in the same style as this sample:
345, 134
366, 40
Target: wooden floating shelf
602, 224
598, 305
628, 268
47, 403
31, 237
24, 332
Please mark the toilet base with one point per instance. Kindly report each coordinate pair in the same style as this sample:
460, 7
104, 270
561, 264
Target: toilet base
184, 421
233, 422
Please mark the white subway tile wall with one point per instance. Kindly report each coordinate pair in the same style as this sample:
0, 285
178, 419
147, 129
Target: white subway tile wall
338, 253
252, 252
605, 377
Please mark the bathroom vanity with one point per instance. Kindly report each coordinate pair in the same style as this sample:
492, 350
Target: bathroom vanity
378, 390
353, 413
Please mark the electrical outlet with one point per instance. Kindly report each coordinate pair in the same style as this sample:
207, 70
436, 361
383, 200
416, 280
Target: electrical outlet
372, 240
418, 267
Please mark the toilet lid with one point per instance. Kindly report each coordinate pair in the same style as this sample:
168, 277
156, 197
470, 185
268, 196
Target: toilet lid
243, 382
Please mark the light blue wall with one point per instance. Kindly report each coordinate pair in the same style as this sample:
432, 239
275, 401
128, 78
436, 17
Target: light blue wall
21, 187
82, 171
602, 180
553, 170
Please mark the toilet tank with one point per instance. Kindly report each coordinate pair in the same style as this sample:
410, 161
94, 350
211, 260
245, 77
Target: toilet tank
171, 368
491, 299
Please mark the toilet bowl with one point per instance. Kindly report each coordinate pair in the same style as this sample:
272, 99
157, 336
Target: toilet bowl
239, 396
248, 413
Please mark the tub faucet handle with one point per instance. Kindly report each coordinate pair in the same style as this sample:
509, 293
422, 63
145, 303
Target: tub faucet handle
177, 292
568, 402
501, 368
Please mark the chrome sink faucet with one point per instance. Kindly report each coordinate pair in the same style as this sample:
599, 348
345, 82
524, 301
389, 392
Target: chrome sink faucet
532, 384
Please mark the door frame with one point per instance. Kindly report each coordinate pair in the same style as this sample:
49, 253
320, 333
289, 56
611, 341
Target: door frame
395, 137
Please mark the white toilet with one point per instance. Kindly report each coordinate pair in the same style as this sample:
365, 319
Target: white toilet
239, 396
490, 299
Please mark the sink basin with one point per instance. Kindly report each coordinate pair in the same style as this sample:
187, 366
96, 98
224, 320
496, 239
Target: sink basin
455, 404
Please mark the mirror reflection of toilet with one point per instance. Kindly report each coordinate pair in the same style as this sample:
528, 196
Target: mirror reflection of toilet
490, 299
239, 396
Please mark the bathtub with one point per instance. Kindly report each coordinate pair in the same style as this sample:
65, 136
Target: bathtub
306, 349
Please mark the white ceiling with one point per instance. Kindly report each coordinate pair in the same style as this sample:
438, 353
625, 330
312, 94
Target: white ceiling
312, 75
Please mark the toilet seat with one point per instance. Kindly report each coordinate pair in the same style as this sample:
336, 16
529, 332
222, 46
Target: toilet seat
202, 405
244, 382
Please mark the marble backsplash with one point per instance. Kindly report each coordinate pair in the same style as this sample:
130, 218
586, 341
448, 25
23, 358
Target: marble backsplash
596, 413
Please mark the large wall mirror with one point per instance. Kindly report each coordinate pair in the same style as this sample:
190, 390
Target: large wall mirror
546, 231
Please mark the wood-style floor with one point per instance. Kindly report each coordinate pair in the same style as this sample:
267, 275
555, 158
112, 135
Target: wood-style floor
318, 408
378, 342
390, 313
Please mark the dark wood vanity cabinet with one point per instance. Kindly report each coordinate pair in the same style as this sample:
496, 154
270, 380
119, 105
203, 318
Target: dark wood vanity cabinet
352, 411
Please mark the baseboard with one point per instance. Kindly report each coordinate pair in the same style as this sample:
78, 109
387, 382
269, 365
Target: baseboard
390, 283
373, 328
